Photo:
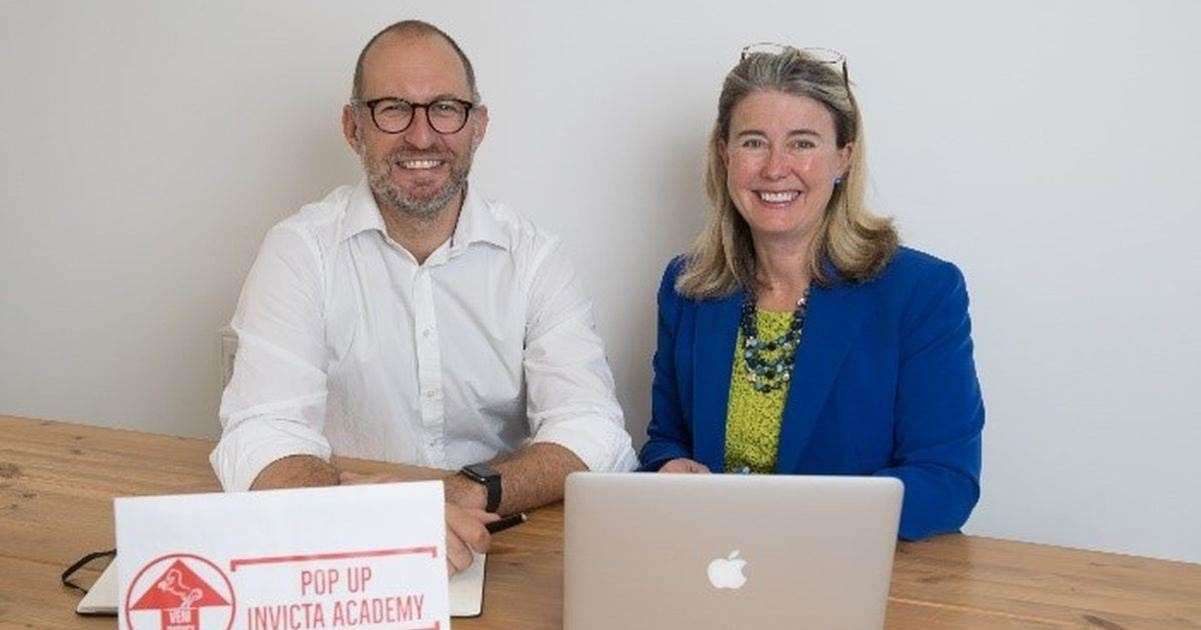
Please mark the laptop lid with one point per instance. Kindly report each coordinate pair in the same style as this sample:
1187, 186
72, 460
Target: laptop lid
728, 551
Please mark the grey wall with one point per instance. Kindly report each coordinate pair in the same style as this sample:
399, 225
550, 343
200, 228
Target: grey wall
1049, 148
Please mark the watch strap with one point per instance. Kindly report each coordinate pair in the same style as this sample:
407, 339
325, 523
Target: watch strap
492, 485
488, 477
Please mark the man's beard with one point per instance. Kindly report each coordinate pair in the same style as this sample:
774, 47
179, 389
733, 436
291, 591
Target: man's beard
387, 193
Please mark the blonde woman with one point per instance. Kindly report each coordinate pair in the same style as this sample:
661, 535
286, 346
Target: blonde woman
796, 337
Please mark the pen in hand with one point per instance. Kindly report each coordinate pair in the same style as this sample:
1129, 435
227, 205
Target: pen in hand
513, 520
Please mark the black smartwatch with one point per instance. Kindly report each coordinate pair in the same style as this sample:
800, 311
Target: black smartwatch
488, 477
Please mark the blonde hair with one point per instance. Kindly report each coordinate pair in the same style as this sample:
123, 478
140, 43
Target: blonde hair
856, 242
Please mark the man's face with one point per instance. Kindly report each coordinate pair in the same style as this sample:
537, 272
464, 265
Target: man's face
418, 171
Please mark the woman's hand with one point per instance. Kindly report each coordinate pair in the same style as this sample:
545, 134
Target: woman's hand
684, 465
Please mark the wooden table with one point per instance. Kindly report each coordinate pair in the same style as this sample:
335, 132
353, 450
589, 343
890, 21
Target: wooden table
57, 482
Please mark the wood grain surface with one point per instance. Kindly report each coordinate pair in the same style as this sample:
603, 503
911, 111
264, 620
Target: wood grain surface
57, 482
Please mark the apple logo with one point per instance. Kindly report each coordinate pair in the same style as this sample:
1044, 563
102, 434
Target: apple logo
727, 572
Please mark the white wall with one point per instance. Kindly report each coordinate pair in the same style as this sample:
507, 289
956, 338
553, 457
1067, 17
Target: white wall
1050, 148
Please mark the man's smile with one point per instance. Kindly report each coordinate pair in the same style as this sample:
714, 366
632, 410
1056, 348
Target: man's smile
419, 165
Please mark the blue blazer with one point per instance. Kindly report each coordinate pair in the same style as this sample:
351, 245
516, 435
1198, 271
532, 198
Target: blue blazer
884, 384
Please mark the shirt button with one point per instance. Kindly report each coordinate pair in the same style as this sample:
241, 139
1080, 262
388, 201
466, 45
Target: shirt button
431, 393
426, 333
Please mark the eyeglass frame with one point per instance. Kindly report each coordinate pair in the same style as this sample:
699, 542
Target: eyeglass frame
65, 578
840, 58
370, 105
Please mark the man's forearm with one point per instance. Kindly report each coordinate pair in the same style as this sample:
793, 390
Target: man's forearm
296, 471
530, 478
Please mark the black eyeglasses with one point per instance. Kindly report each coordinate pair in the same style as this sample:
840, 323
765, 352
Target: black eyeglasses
79, 564
394, 115
819, 55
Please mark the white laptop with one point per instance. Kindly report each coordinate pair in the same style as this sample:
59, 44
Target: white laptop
674, 551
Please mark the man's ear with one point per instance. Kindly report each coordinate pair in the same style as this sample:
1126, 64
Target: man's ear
350, 128
480, 126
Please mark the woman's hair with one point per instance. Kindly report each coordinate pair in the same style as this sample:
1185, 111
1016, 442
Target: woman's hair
856, 242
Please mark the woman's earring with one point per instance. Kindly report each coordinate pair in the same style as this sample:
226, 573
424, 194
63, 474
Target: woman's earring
838, 180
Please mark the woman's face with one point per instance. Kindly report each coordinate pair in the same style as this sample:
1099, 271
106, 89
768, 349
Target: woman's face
781, 161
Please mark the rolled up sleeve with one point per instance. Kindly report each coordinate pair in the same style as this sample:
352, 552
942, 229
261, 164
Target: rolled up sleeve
274, 405
570, 390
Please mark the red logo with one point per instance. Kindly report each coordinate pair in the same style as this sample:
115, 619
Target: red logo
180, 592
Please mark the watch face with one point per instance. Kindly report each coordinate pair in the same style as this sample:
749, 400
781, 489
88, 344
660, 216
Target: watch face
483, 471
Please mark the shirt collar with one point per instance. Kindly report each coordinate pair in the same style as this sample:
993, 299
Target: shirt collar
362, 213
477, 222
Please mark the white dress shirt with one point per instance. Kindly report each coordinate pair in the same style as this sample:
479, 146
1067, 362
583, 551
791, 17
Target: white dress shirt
347, 345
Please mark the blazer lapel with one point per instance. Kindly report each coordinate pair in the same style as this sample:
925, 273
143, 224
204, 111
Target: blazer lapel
833, 320
716, 333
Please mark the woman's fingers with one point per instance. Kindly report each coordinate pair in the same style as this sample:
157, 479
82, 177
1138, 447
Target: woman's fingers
684, 465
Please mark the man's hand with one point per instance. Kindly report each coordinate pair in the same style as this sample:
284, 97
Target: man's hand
684, 465
464, 492
465, 531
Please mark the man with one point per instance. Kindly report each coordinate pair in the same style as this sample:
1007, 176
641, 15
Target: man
408, 320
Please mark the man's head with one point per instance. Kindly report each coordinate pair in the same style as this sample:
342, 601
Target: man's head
418, 171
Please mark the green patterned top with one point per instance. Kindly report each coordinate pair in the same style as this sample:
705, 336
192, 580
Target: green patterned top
753, 418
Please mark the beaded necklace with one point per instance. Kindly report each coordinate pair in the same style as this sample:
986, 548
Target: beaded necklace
769, 373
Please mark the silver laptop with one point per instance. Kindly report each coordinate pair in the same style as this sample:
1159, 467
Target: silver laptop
728, 551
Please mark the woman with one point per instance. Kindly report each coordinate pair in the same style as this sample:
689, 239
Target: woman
795, 336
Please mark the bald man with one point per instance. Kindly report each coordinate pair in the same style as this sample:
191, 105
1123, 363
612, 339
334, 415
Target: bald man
409, 319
